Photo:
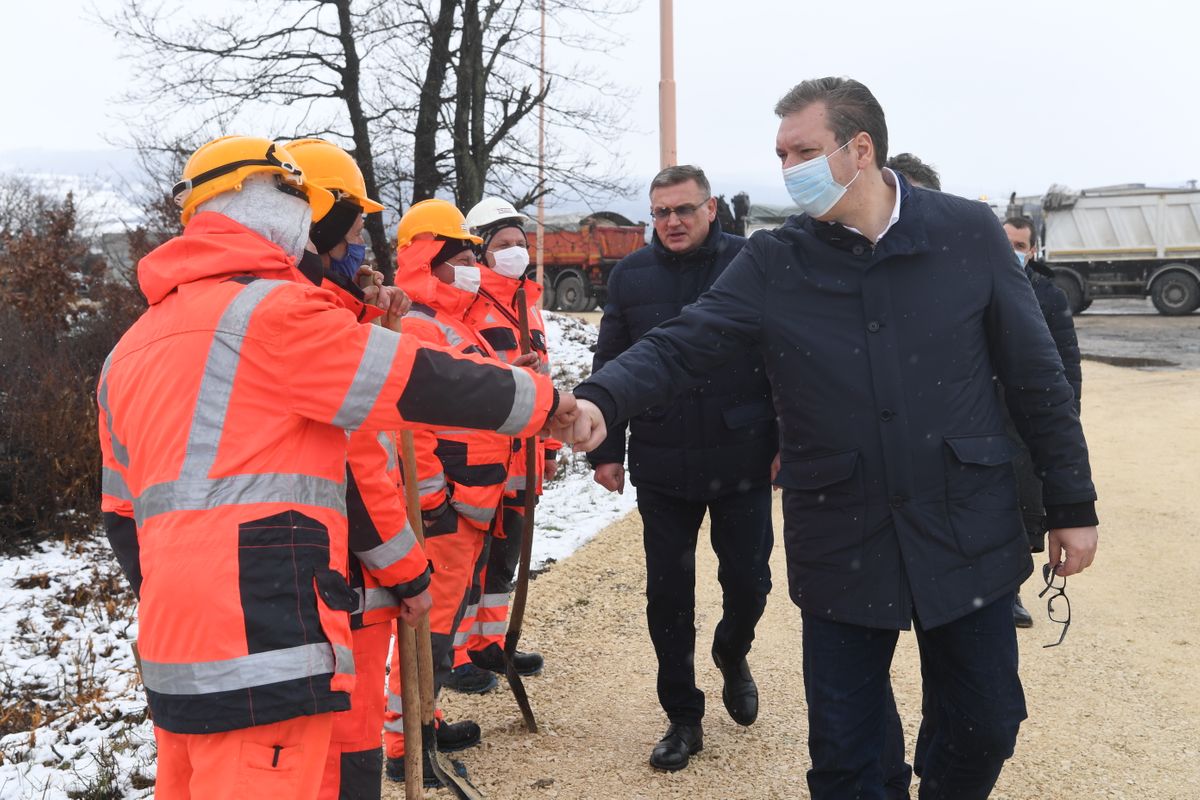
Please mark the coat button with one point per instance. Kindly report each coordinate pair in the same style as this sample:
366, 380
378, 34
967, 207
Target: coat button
873, 326
858, 250
886, 415
897, 500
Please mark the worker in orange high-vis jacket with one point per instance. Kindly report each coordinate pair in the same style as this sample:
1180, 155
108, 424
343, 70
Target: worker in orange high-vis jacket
505, 255
222, 422
461, 473
385, 563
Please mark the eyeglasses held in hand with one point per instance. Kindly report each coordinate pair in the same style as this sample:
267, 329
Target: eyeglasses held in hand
1060, 612
685, 211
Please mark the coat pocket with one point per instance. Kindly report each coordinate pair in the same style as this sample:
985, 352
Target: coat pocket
748, 414
823, 513
981, 493
822, 480
979, 470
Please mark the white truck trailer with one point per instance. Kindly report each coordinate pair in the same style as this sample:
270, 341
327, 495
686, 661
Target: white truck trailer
1125, 241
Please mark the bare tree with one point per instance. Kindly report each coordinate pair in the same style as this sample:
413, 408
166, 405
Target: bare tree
202, 75
441, 85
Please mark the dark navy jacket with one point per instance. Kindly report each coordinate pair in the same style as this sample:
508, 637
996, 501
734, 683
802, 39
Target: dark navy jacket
717, 437
896, 468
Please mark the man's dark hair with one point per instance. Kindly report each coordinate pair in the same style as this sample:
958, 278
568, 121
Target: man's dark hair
916, 170
673, 176
851, 107
1025, 224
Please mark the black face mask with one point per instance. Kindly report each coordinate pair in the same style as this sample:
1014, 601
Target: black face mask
331, 229
310, 266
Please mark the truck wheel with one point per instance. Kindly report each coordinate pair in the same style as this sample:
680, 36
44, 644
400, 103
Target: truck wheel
1175, 293
1086, 304
572, 292
1072, 290
549, 298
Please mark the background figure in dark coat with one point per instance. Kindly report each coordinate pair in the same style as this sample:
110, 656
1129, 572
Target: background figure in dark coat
1056, 309
710, 450
882, 314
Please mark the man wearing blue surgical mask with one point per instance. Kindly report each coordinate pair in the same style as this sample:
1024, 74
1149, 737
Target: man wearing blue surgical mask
337, 238
883, 314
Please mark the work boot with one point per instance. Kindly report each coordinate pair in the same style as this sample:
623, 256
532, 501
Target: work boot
673, 750
740, 692
455, 736
395, 771
492, 658
1021, 617
470, 679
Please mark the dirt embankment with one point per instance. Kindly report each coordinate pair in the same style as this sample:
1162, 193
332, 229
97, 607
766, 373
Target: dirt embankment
1114, 712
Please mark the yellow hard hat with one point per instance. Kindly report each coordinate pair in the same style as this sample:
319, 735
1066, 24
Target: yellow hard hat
438, 217
332, 168
223, 164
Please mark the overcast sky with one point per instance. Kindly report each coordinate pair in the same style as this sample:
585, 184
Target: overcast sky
999, 97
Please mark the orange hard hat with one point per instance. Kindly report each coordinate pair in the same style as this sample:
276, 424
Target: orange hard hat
438, 217
223, 164
332, 168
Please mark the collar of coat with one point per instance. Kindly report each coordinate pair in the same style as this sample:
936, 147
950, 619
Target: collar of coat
907, 237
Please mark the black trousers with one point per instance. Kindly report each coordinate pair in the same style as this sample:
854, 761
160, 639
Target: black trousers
742, 539
855, 740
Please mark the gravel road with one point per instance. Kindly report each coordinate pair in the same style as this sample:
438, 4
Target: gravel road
1114, 712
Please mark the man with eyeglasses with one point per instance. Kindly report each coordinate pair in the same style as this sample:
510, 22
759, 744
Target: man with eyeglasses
882, 313
710, 450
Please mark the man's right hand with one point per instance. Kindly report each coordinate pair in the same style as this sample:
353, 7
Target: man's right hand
611, 477
412, 609
588, 430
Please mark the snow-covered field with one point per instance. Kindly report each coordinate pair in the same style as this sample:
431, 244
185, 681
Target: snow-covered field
74, 718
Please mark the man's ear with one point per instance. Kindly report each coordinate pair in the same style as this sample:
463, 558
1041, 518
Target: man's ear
711, 205
864, 149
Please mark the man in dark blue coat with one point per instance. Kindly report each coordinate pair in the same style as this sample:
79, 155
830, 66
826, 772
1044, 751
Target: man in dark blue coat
710, 449
883, 314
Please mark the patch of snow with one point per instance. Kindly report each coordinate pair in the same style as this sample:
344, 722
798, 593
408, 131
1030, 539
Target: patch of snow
66, 623
573, 507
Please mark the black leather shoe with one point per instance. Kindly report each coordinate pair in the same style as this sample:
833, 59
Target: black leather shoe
455, 736
740, 692
673, 750
492, 658
470, 679
1021, 617
395, 771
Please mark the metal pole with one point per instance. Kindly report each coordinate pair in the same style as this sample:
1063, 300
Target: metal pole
666, 87
541, 208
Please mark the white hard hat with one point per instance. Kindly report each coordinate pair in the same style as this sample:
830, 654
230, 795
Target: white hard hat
490, 210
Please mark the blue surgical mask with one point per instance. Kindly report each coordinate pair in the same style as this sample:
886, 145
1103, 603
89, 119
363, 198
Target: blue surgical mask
1020, 257
349, 263
812, 187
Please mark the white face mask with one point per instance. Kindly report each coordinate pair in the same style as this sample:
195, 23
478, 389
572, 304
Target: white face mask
467, 279
511, 262
1020, 257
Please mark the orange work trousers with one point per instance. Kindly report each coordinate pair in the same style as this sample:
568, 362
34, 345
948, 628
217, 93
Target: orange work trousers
454, 557
354, 765
283, 759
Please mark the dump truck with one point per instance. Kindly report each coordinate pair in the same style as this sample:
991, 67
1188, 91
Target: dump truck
579, 255
1125, 241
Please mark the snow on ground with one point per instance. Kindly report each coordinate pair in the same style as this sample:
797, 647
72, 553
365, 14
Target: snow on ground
73, 711
73, 714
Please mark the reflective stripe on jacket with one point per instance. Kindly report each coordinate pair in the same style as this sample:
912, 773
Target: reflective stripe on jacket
495, 316
221, 417
465, 469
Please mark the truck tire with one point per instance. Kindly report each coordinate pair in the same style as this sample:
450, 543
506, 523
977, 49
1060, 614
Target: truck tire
1175, 293
573, 292
1072, 290
549, 298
